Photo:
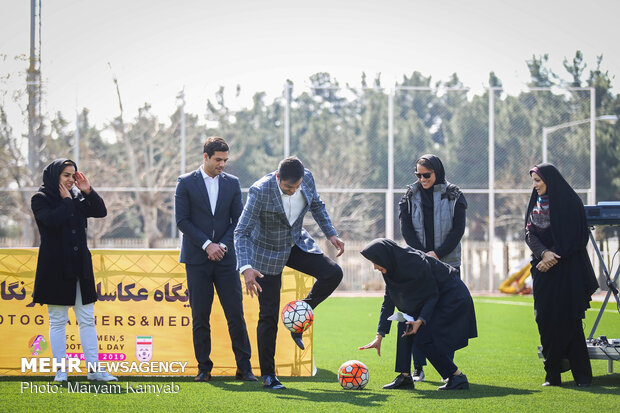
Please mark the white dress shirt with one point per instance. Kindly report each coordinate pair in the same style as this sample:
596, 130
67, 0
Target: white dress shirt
293, 204
213, 189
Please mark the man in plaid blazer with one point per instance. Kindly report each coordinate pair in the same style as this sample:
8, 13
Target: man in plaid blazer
269, 236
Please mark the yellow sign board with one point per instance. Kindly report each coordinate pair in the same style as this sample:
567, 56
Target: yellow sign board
143, 317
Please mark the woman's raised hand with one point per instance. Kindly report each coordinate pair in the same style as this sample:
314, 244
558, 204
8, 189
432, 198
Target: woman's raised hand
64, 192
81, 181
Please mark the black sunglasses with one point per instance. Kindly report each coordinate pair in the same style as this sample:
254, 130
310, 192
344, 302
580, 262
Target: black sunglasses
426, 175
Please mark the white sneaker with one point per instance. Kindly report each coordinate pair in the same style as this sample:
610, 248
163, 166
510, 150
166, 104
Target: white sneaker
60, 376
100, 376
418, 374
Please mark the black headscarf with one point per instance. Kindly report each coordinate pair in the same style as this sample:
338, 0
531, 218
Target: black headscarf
440, 172
51, 176
409, 278
428, 201
568, 217
569, 237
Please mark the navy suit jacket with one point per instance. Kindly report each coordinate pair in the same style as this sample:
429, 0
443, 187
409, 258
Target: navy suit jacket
198, 224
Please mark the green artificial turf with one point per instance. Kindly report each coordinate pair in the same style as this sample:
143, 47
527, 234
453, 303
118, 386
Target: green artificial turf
502, 365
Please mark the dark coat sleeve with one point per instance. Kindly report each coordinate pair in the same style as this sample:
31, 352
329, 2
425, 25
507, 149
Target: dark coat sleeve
182, 213
387, 309
535, 244
406, 226
427, 309
93, 205
51, 216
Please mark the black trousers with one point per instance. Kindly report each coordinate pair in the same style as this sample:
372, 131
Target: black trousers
571, 346
201, 280
328, 275
441, 360
407, 350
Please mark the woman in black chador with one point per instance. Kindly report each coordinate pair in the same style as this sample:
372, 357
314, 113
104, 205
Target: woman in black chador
564, 281
433, 293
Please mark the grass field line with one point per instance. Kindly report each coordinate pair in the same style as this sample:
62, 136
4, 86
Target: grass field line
485, 300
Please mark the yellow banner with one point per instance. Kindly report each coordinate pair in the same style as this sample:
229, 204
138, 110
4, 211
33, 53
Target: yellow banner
143, 313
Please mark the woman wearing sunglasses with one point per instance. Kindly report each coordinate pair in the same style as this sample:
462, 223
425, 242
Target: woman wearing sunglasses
432, 213
432, 220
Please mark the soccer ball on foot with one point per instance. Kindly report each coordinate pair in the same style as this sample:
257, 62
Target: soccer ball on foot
297, 316
353, 375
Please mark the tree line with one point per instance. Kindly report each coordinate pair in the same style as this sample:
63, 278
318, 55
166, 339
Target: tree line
340, 132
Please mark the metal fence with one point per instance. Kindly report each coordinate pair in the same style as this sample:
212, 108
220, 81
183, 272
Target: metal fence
361, 145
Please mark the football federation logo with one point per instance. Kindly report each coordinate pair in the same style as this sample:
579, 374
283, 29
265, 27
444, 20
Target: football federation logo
144, 348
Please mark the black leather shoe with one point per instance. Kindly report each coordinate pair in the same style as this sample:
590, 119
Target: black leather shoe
550, 383
401, 382
456, 383
203, 376
584, 384
245, 376
271, 382
297, 339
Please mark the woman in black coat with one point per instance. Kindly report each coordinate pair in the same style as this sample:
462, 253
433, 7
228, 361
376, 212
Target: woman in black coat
564, 281
64, 275
432, 217
433, 293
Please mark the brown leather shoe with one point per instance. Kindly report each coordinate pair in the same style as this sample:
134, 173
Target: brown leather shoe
245, 376
203, 376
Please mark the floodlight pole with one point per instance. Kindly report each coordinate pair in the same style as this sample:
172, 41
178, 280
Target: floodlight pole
76, 148
389, 195
287, 119
592, 193
491, 186
181, 96
173, 225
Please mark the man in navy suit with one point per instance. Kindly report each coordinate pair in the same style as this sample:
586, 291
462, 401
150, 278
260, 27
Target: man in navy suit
269, 236
207, 205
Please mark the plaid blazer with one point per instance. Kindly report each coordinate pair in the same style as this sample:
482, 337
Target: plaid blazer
264, 237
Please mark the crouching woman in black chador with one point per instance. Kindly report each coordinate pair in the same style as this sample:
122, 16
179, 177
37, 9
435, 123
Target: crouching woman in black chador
433, 293
564, 281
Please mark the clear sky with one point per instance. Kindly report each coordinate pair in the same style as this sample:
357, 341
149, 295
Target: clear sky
158, 47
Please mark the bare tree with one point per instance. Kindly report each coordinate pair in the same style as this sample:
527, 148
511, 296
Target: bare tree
151, 160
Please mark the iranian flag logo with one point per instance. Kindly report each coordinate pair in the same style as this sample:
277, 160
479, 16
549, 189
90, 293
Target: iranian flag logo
144, 348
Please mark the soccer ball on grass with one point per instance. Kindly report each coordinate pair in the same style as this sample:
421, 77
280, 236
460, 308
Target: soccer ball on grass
353, 375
